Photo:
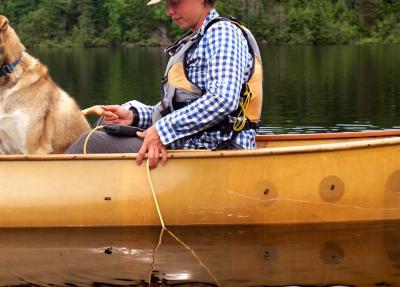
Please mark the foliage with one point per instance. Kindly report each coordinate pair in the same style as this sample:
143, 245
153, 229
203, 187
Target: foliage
131, 22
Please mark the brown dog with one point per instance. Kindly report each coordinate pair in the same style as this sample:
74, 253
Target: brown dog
36, 116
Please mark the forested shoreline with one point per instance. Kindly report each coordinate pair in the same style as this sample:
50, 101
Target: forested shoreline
107, 23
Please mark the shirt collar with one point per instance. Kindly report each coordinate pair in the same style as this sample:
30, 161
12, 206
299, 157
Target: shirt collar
211, 15
174, 48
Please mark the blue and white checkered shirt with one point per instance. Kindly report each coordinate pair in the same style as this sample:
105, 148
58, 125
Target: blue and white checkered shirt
219, 65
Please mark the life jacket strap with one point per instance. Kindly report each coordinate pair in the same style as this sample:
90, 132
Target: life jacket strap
226, 127
172, 49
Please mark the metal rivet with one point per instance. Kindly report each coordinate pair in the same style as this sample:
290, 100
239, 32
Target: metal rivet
333, 187
107, 198
266, 191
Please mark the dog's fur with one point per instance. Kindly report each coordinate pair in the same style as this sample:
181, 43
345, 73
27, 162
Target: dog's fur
36, 116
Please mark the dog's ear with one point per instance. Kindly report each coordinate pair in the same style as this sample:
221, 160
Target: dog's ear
3, 23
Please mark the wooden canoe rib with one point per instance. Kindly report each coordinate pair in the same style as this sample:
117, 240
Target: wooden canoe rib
311, 178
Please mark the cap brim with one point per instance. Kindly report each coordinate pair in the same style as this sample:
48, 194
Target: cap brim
152, 2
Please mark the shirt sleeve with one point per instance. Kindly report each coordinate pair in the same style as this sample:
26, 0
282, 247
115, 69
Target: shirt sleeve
145, 113
227, 52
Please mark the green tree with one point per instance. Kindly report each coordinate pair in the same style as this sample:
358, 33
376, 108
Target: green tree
86, 29
126, 22
114, 8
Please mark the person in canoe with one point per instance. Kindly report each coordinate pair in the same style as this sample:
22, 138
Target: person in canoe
211, 94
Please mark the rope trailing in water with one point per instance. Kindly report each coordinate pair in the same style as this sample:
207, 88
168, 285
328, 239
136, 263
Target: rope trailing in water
164, 228
153, 263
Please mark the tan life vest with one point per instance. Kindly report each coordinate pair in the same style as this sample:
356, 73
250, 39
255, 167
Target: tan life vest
179, 91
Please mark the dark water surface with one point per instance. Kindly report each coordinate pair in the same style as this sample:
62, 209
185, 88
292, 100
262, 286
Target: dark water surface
306, 89
302, 255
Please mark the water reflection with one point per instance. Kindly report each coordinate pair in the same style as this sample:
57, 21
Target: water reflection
307, 89
302, 255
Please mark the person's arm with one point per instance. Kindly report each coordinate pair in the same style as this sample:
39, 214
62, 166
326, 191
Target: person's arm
227, 53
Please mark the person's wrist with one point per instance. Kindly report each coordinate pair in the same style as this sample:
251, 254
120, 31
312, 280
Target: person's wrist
135, 116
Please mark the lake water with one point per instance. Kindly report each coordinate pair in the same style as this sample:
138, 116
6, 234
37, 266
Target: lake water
329, 255
306, 89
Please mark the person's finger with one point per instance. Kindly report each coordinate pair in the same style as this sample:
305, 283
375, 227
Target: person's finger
110, 115
112, 122
151, 156
115, 111
111, 108
164, 155
141, 154
141, 134
156, 156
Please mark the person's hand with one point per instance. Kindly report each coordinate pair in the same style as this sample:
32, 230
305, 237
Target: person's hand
154, 147
117, 115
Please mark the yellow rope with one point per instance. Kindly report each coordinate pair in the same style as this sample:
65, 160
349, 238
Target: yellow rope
154, 195
241, 118
88, 137
171, 233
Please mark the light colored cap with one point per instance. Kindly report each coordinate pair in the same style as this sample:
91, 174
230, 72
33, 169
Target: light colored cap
152, 2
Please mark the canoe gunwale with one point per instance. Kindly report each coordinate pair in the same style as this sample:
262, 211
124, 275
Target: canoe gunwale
344, 135
328, 147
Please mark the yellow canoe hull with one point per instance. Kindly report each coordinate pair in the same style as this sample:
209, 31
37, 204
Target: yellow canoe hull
347, 180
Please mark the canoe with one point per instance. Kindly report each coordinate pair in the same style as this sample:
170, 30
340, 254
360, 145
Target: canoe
288, 179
